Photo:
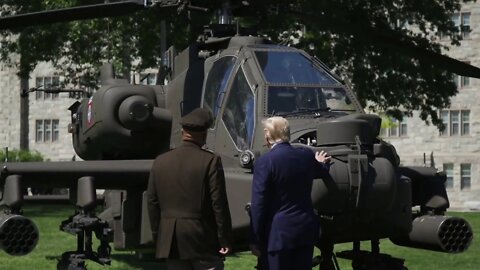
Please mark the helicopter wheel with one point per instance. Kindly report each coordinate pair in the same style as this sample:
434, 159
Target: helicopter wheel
104, 251
71, 261
62, 265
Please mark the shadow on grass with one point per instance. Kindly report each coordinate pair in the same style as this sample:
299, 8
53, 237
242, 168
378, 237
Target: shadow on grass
148, 263
48, 210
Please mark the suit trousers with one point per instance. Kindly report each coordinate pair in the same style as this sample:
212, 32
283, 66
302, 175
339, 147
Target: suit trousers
176, 264
292, 259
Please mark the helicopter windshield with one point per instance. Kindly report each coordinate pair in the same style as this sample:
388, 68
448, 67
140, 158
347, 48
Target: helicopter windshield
292, 68
305, 100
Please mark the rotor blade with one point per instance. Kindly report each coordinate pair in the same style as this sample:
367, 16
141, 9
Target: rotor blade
437, 59
391, 39
71, 14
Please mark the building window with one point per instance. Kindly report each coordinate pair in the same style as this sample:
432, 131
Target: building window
465, 176
395, 128
462, 22
55, 132
148, 78
216, 83
456, 122
43, 83
461, 81
46, 130
465, 122
448, 169
39, 131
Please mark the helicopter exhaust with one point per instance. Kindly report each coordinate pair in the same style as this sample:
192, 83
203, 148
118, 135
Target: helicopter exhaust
18, 234
438, 233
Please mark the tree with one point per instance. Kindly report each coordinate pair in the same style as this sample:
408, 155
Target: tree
369, 42
364, 41
79, 48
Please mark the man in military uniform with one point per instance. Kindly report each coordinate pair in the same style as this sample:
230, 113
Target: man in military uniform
187, 201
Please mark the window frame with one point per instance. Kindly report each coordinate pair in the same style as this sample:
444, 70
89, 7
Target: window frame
47, 126
54, 81
399, 130
39, 130
448, 130
465, 178
450, 179
220, 92
462, 24
226, 97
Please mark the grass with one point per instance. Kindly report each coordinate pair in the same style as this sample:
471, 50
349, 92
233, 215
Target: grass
53, 243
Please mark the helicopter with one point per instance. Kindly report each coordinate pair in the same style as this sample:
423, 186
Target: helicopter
242, 79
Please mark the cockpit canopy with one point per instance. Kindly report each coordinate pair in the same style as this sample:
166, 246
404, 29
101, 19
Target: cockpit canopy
297, 85
287, 67
293, 84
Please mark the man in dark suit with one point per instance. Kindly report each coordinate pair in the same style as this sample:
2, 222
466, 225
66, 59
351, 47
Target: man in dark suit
284, 225
187, 201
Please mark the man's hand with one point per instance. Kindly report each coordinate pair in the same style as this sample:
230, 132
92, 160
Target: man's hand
224, 250
255, 250
322, 157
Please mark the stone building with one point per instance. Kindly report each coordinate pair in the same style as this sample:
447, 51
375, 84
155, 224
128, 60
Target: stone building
49, 116
9, 108
456, 150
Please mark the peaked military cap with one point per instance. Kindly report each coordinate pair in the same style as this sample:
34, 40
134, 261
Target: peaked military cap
199, 119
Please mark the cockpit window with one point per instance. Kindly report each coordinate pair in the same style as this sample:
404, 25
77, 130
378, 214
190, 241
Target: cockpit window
291, 68
239, 113
306, 100
216, 84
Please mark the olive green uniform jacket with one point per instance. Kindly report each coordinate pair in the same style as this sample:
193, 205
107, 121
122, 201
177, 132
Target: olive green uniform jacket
187, 204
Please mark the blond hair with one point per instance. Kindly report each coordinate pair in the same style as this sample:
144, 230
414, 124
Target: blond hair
277, 129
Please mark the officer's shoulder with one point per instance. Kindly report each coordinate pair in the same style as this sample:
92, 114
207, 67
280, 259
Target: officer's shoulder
209, 151
164, 155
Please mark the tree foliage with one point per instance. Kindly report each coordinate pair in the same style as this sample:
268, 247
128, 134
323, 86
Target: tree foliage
344, 34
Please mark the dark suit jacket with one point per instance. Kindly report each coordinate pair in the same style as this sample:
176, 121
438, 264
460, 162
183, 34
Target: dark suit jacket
187, 204
281, 208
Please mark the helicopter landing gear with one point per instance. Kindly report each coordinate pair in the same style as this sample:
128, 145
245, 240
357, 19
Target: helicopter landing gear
83, 224
361, 259
327, 260
371, 260
71, 261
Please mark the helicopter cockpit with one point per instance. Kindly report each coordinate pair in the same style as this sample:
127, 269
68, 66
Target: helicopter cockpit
296, 85
259, 80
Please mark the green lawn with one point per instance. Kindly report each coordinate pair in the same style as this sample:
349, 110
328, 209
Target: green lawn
53, 243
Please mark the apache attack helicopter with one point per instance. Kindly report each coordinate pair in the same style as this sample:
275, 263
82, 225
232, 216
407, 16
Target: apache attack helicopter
242, 79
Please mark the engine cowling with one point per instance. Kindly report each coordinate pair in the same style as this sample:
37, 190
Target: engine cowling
121, 121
